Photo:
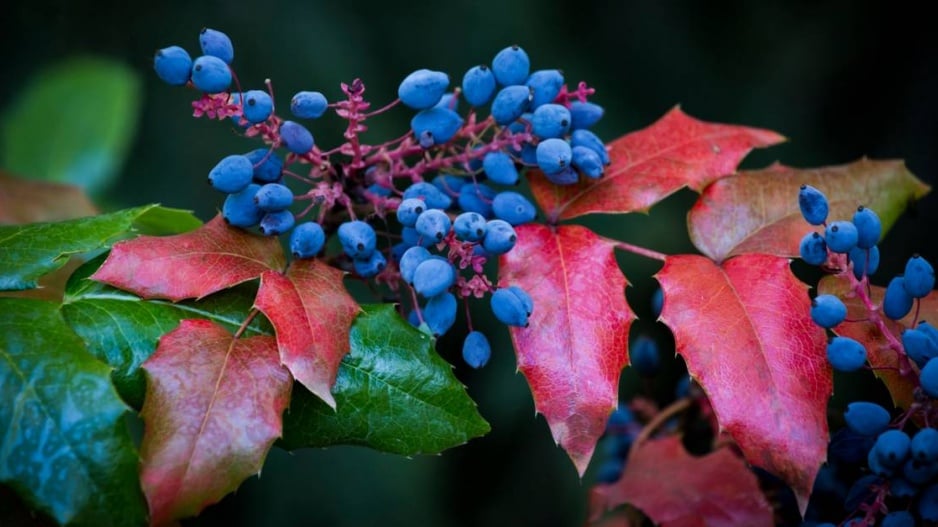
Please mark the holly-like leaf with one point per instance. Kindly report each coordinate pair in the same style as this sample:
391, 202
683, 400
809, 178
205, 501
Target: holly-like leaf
393, 393
64, 445
675, 489
122, 329
312, 313
191, 265
651, 164
575, 346
30, 251
861, 326
213, 409
757, 211
27, 201
745, 331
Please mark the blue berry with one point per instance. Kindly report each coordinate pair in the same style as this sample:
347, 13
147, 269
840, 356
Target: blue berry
409, 210
307, 239
358, 239
929, 378
469, 227
423, 88
435, 126
924, 445
308, 105
371, 266
828, 311
587, 161
440, 313
257, 106
546, 85
919, 277
865, 418
813, 205
478, 85
210, 74
550, 120
919, 346
877, 466
892, 447
510, 103
428, 193
477, 197
476, 350
618, 420
499, 238
511, 66
500, 168
813, 249
610, 471
526, 302
567, 176
592, 141
434, 276
584, 114
897, 302
919, 472
239, 209
273, 197
433, 224
846, 354
841, 236
869, 227
898, 519
865, 261
528, 154
411, 238
231, 174
508, 308
643, 356
449, 184
860, 491
409, 261
296, 137
513, 208
553, 155
173, 65
268, 166
277, 222
928, 503
216, 44
449, 101
657, 302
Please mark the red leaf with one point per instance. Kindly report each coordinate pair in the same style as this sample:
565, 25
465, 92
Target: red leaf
675, 489
651, 164
576, 344
212, 410
746, 333
312, 314
191, 265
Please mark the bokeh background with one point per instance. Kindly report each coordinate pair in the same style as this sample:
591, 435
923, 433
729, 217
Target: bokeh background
841, 80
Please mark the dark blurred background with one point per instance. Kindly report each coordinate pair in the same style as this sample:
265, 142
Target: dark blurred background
841, 80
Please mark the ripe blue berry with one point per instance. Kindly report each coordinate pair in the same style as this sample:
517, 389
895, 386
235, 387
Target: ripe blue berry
919, 277
846, 354
476, 350
584, 114
513, 208
307, 239
927, 506
273, 197
358, 239
892, 447
898, 518
526, 302
500, 168
370, 266
268, 166
924, 445
865, 418
440, 313
919, 346
277, 222
546, 85
477, 197
210, 74
828, 311
511, 66
550, 120
510, 103
449, 101
553, 155
657, 302
308, 105
469, 227
865, 261
173, 65
435, 126
411, 238
448, 184
434, 276
897, 302
499, 238
423, 88
433, 224
592, 141
478, 85
841, 236
231, 174
813, 204
869, 227
587, 161
813, 249
257, 106
567, 176
409, 210
296, 137
239, 209
929, 378
643, 356
508, 308
428, 193
409, 261
216, 44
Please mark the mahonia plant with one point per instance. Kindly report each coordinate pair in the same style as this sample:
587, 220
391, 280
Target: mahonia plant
226, 343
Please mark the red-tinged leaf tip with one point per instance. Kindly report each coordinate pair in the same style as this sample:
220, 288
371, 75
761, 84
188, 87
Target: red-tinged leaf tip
192, 265
745, 331
213, 408
649, 165
674, 488
575, 347
312, 314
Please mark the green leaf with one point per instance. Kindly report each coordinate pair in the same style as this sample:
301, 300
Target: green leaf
393, 393
73, 123
122, 330
165, 221
65, 447
30, 251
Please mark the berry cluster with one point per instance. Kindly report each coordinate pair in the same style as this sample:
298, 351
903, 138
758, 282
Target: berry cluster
901, 472
441, 181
